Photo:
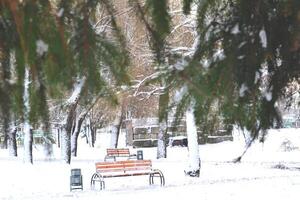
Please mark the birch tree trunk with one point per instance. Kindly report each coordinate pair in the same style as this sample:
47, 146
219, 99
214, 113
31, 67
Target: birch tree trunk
194, 162
28, 136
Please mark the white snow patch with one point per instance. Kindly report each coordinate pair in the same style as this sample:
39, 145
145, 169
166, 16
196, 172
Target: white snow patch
180, 93
235, 30
60, 12
124, 87
263, 38
242, 44
278, 62
77, 90
242, 90
41, 47
180, 65
205, 63
268, 96
257, 77
219, 55
241, 57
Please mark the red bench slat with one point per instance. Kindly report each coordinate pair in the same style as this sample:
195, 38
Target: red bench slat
121, 166
117, 152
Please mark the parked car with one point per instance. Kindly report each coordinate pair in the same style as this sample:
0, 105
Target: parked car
144, 143
178, 141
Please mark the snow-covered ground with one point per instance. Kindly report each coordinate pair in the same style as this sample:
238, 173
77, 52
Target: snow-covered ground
258, 176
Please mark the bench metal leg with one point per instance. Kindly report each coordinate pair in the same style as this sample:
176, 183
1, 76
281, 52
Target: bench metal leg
109, 158
150, 179
157, 173
97, 178
102, 185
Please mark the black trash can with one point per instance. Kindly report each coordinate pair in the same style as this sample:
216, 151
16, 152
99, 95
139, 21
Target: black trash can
76, 179
140, 155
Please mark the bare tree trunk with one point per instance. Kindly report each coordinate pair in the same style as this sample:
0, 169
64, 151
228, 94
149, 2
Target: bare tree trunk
75, 134
5, 129
93, 134
28, 141
65, 146
163, 122
66, 134
194, 162
68, 127
161, 140
3, 144
48, 147
58, 137
5, 102
129, 133
88, 131
116, 127
28, 136
4, 96
12, 141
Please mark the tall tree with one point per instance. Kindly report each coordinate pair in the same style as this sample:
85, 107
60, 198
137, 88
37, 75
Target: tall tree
170, 62
58, 45
8, 38
247, 56
158, 27
192, 136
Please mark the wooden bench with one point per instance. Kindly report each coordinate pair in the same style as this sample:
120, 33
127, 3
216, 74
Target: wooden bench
123, 169
114, 153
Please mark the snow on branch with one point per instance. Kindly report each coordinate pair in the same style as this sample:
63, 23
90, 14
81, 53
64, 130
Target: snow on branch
143, 81
78, 86
148, 94
150, 89
184, 23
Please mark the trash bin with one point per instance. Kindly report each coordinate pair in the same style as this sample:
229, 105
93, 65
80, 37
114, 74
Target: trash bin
76, 179
140, 155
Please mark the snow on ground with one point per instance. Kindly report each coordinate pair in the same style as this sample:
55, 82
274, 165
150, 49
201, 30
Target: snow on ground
256, 177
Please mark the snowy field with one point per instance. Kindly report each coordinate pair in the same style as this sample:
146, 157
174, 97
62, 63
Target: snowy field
268, 171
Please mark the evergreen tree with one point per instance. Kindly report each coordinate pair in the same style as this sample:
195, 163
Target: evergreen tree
156, 19
58, 45
247, 56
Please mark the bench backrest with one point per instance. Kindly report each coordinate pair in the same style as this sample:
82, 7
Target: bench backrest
126, 165
118, 152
